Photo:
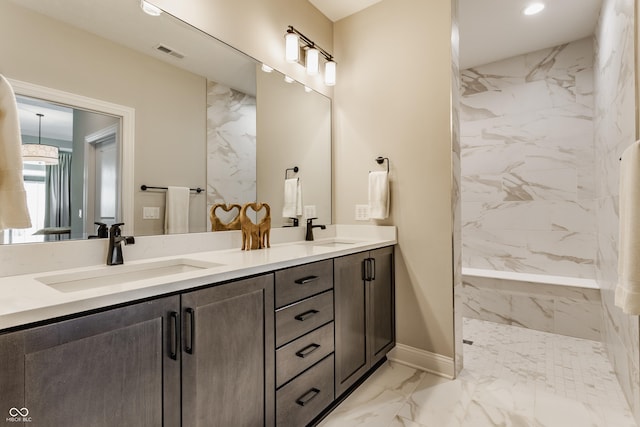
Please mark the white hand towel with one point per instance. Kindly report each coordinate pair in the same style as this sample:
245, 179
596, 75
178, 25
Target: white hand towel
292, 206
176, 214
378, 195
13, 197
627, 294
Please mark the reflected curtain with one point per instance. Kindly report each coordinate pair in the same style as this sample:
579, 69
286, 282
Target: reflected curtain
58, 192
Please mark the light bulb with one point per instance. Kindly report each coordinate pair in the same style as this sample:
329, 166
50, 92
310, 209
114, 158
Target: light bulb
150, 9
312, 60
292, 50
533, 8
330, 73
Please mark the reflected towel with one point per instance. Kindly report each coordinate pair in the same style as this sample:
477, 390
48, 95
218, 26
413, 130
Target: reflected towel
176, 214
628, 289
292, 206
378, 195
13, 197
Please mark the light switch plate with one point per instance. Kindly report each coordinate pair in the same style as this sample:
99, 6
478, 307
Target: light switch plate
362, 212
310, 211
150, 212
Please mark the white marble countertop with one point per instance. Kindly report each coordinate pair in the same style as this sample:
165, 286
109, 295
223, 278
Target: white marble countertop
24, 299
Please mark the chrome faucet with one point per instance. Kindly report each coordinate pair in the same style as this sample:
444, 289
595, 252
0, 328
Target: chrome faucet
114, 255
310, 227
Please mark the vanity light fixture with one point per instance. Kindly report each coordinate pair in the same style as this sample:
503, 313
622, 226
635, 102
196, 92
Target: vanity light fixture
312, 59
150, 9
40, 154
533, 8
295, 40
266, 68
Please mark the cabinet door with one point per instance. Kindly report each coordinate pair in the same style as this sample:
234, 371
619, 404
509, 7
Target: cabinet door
228, 368
105, 369
381, 298
350, 321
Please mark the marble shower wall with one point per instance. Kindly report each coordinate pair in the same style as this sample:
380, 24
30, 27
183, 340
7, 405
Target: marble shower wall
231, 147
615, 126
528, 190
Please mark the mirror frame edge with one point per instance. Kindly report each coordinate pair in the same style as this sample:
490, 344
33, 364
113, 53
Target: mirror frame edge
127, 149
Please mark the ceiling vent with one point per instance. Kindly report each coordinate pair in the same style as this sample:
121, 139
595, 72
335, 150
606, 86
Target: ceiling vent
165, 49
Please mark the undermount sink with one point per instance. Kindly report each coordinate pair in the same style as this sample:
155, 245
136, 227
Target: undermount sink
115, 275
331, 243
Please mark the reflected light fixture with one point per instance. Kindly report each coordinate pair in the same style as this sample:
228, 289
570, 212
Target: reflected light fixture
294, 40
266, 68
149, 8
40, 154
288, 79
307, 89
533, 8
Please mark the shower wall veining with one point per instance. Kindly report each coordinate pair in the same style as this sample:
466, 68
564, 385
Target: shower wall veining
528, 187
231, 147
615, 130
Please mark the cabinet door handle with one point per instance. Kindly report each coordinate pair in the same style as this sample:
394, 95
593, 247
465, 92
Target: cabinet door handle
173, 335
372, 275
308, 350
365, 270
306, 280
188, 346
307, 314
307, 397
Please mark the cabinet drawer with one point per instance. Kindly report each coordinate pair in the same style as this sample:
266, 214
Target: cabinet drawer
296, 283
303, 353
298, 319
304, 398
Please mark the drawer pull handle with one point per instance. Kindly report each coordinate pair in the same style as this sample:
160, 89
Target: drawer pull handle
173, 335
308, 350
306, 280
308, 396
307, 314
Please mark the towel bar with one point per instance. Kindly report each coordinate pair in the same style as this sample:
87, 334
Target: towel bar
148, 187
381, 160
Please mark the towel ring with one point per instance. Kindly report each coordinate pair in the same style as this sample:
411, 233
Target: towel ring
381, 160
295, 169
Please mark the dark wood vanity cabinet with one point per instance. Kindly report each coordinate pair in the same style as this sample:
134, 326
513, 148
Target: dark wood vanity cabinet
203, 358
228, 355
117, 367
275, 349
364, 313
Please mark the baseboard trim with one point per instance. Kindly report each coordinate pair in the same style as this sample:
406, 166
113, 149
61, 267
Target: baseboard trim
424, 360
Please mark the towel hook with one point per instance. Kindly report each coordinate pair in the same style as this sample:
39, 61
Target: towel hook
295, 169
381, 160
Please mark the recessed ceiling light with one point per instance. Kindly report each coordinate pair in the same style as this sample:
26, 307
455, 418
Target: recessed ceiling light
533, 8
149, 8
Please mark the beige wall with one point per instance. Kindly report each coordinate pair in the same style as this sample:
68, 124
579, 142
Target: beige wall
257, 28
170, 104
286, 114
393, 100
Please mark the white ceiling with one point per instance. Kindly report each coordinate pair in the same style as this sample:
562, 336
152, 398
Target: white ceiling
57, 122
491, 30
338, 9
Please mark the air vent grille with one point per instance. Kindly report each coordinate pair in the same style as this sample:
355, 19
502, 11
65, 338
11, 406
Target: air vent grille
165, 49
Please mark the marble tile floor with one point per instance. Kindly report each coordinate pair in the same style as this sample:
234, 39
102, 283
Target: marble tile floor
513, 377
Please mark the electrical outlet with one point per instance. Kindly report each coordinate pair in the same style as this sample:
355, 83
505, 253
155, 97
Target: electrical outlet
310, 211
362, 212
150, 212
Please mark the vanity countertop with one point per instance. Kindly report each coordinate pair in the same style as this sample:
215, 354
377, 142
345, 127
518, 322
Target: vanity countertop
25, 299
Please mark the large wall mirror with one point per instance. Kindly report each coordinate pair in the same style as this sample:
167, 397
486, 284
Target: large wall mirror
202, 114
